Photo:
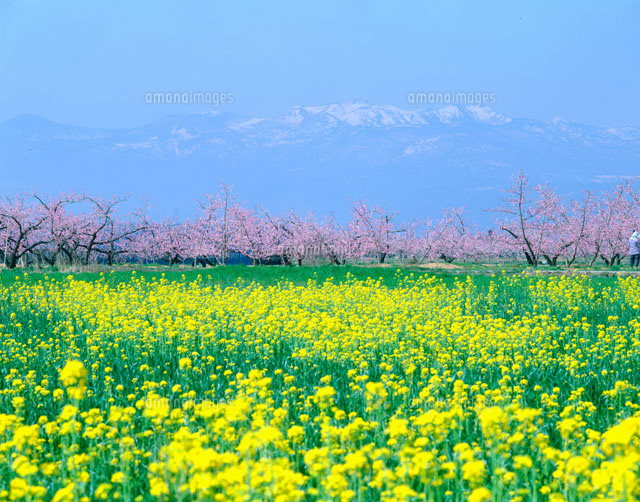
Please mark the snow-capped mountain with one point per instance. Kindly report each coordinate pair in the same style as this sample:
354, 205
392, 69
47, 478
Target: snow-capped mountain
319, 157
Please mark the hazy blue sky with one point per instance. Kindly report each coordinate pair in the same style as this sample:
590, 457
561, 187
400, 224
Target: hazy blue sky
92, 63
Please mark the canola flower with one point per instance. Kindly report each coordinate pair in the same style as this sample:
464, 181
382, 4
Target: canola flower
525, 389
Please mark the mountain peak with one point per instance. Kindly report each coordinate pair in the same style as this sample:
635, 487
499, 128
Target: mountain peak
361, 113
27, 121
354, 113
487, 115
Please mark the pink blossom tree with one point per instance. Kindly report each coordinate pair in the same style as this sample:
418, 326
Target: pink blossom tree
102, 232
219, 217
580, 217
615, 217
23, 227
528, 217
373, 229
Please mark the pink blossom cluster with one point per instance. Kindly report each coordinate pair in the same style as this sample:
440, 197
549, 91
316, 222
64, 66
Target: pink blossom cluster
531, 223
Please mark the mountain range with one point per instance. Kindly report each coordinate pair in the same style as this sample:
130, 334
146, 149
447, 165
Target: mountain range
319, 158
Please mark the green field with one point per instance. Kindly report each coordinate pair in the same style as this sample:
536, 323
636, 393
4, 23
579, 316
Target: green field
318, 383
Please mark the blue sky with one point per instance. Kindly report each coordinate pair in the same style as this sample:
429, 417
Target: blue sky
91, 63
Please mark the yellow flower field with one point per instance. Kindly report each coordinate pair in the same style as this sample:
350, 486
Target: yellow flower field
513, 389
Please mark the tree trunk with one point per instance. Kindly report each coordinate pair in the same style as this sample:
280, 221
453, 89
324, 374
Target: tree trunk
531, 260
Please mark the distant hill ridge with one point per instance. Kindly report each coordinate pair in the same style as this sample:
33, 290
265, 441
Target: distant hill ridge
319, 157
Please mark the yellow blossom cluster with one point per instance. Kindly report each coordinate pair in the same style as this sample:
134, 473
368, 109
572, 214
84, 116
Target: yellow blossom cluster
509, 388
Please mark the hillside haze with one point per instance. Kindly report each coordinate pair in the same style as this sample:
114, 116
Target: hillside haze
318, 158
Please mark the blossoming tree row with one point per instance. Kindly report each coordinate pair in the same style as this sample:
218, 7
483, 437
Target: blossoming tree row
531, 223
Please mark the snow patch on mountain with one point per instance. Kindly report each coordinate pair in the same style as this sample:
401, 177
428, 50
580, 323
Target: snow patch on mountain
247, 124
447, 115
355, 114
422, 146
485, 114
181, 133
152, 142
